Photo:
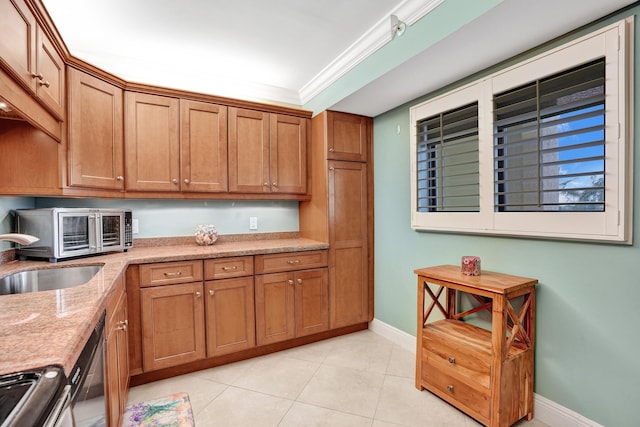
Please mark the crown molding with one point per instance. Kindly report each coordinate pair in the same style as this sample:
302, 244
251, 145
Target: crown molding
409, 11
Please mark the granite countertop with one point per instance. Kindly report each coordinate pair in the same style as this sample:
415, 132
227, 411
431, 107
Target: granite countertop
51, 327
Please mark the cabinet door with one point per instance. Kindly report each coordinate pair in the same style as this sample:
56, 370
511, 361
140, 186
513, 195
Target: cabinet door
275, 316
116, 356
312, 301
230, 312
203, 138
152, 142
17, 44
96, 141
347, 137
248, 151
172, 325
288, 154
50, 84
348, 255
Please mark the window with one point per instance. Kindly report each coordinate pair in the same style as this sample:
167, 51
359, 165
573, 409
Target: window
541, 149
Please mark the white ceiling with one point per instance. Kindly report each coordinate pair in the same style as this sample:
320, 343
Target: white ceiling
286, 51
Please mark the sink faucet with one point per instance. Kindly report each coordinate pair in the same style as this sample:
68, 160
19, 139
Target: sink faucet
23, 239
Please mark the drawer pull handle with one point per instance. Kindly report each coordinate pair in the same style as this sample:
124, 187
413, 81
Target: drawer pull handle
293, 261
173, 274
450, 388
232, 268
452, 360
212, 292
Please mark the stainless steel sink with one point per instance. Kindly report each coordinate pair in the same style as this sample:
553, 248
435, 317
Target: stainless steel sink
47, 279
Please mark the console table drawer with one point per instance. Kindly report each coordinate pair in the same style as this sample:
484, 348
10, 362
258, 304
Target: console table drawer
450, 388
458, 347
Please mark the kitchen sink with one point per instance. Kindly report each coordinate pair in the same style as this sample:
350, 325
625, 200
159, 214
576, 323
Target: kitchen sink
47, 279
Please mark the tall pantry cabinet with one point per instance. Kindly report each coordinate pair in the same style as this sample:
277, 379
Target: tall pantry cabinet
340, 211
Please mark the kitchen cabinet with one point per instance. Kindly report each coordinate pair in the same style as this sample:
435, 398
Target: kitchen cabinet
267, 152
96, 133
116, 354
174, 144
203, 145
340, 213
152, 142
347, 136
30, 56
230, 308
292, 298
487, 374
172, 314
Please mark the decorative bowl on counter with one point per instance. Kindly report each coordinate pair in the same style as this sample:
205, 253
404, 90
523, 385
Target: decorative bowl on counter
206, 235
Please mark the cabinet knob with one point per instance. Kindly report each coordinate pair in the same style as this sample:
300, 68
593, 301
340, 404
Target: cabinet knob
121, 328
45, 83
123, 322
120, 178
212, 292
452, 360
275, 184
332, 168
450, 388
186, 181
198, 294
291, 282
331, 149
38, 76
175, 181
300, 281
266, 184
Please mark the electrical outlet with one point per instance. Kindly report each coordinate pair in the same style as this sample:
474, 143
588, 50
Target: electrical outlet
134, 227
253, 223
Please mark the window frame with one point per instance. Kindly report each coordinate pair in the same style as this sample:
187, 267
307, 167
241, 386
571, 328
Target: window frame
614, 224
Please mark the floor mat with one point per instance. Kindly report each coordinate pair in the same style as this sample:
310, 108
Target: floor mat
170, 411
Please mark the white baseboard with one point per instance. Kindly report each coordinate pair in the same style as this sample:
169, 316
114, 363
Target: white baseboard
545, 410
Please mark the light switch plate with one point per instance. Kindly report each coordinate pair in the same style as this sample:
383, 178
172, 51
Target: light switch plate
253, 223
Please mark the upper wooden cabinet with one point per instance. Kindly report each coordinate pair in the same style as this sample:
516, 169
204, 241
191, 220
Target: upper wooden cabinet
347, 137
203, 137
96, 141
267, 152
152, 142
174, 145
28, 55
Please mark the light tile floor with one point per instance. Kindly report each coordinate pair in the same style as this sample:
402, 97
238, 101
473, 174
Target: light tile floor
359, 380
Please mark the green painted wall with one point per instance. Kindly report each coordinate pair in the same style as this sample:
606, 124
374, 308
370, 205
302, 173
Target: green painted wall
587, 308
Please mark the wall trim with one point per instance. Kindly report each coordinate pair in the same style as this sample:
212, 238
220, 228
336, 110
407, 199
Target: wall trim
547, 411
408, 11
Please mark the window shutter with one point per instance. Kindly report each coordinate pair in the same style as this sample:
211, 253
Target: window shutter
447, 161
549, 143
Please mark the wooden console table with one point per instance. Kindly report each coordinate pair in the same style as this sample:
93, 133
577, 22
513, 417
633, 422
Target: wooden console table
487, 374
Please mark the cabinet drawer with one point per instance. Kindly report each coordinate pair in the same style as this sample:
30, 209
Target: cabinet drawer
166, 273
291, 261
477, 399
455, 346
228, 267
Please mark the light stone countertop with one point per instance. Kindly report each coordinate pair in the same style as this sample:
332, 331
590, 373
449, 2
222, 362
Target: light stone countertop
51, 327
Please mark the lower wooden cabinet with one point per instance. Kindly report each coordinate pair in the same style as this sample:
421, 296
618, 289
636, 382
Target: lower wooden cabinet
116, 355
291, 304
172, 325
230, 315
